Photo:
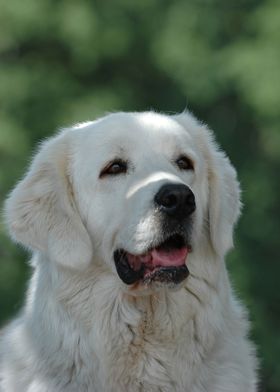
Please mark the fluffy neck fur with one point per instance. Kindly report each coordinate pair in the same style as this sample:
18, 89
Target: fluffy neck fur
114, 341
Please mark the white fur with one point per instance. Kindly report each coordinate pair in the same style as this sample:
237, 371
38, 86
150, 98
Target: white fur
82, 329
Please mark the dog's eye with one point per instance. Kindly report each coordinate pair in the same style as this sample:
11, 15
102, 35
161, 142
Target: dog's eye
114, 168
184, 163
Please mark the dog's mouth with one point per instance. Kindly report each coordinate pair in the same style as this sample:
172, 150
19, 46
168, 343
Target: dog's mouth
165, 263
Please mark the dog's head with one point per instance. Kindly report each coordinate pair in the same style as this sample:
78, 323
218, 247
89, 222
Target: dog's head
138, 192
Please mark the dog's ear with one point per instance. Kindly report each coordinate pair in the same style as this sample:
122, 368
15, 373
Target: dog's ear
41, 212
224, 192
224, 201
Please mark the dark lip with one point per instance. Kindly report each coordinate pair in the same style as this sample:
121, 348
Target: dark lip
127, 274
172, 274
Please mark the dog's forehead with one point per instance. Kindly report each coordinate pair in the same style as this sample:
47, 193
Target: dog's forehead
131, 131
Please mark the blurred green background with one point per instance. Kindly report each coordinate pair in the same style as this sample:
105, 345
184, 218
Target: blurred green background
67, 61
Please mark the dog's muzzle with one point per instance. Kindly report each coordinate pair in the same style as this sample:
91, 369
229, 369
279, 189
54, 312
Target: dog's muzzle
164, 262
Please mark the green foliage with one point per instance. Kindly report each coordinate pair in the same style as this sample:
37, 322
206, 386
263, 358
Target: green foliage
69, 61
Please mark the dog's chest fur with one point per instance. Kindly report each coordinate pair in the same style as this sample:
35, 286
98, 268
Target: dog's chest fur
135, 344
145, 347
165, 342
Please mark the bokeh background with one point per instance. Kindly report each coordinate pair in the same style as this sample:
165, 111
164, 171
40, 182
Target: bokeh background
68, 61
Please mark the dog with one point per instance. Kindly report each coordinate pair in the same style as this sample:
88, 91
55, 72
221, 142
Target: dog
129, 219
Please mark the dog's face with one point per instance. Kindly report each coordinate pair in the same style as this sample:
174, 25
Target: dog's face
136, 180
140, 193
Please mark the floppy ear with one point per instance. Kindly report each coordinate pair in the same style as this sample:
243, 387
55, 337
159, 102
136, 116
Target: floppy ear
224, 202
224, 192
41, 212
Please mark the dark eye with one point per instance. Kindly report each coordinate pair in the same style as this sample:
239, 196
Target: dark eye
184, 163
114, 168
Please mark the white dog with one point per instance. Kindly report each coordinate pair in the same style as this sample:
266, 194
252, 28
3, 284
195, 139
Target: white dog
129, 218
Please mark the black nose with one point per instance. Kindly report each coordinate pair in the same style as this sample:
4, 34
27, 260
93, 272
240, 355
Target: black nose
176, 200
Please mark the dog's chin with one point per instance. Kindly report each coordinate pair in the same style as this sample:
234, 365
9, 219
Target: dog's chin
163, 265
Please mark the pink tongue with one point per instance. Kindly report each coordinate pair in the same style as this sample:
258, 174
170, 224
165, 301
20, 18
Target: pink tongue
159, 257
164, 258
